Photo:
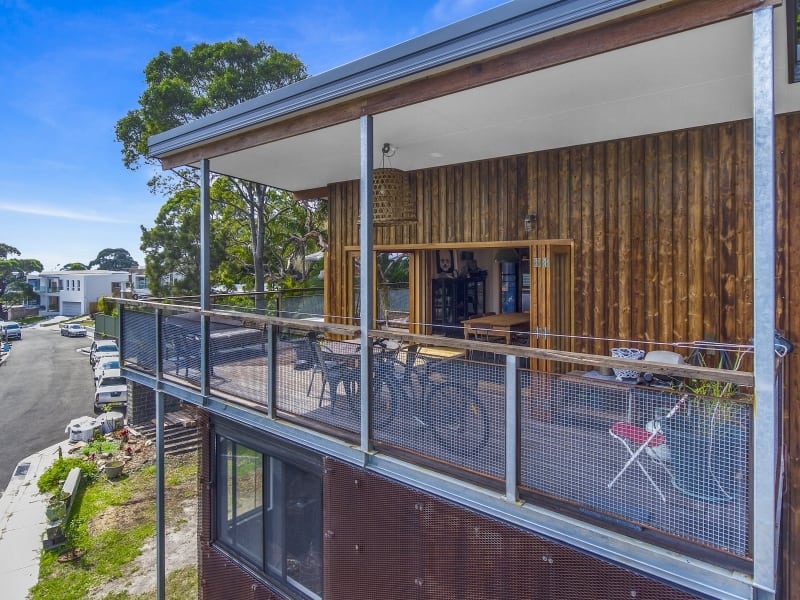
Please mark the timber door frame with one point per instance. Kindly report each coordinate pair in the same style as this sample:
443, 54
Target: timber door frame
558, 253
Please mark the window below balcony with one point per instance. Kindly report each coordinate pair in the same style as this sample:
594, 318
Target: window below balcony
268, 512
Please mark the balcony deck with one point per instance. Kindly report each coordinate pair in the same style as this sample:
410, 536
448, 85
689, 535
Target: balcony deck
565, 453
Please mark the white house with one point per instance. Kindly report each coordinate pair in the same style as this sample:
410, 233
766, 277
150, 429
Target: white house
72, 293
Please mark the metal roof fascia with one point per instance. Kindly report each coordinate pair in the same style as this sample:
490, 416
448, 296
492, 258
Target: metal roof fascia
487, 31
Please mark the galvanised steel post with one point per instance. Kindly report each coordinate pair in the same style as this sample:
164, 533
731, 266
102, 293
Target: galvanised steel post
272, 362
367, 275
205, 266
160, 525
159, 370
767, 413
512, 426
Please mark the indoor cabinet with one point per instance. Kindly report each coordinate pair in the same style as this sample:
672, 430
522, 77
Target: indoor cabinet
456, 299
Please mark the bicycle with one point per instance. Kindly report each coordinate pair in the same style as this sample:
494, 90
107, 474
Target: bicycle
407, 384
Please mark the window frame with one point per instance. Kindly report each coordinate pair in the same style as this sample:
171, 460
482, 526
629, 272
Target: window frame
287, 455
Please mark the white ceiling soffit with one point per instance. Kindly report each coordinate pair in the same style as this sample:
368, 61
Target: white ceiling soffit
693, 78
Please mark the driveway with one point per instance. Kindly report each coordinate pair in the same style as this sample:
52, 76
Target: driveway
45, 383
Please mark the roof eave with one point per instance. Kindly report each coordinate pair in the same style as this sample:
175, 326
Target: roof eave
485, 32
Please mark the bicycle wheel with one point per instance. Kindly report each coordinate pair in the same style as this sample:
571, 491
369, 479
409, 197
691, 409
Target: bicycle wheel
459, 420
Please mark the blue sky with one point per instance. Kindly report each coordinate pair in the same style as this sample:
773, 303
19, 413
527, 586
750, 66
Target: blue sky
70, 70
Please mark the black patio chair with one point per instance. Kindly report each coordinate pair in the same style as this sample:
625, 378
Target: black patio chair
335, 371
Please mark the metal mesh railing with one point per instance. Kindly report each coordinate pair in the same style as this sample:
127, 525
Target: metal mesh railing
138, 345
448, 410
315, 390
689, 476
238, 359
180, 343
647, 457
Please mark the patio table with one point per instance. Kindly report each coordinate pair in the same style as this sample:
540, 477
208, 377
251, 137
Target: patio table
502, 325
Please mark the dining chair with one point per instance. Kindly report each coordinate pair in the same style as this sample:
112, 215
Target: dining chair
335, 372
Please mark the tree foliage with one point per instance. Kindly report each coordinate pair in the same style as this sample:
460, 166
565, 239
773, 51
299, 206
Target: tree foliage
5, 250
249, 244
113, 259
75, 266
172, 245
183, 86
14, 288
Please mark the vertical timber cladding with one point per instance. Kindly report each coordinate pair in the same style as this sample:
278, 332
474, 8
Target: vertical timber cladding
388, 541
661, 226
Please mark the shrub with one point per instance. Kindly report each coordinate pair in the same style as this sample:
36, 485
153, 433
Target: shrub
101, 446
53, 478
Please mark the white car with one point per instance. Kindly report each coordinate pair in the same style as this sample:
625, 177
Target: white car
73, 330
111, 394
103, 349
10, 330
105, 366
106, 374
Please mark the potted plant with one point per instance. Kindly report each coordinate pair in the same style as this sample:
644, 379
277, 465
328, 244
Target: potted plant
113, 469
707, 440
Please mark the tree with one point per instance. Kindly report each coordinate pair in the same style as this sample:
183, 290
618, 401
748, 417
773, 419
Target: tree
14, 288
75, 266
5, 250
280, 231
17, 292
113, 259
183, 86
172, 245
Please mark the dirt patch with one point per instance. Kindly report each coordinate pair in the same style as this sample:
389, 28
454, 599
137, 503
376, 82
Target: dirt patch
180, 552
180, 517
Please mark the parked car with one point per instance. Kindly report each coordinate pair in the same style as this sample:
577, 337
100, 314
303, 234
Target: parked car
111, 394
104, 366
103, 349
10, 330
73, 330
108, 373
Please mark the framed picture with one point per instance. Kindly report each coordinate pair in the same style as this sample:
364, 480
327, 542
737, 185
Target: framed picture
445, 263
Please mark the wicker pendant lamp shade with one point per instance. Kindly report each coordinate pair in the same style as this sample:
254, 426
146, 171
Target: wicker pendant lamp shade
392, 201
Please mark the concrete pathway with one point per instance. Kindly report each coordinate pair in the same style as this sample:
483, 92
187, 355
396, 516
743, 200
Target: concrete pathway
22, 523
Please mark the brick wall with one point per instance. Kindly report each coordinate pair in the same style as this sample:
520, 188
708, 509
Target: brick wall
142, 404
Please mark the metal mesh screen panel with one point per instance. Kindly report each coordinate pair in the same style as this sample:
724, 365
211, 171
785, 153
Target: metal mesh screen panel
384, 540
449, 410
238, 359
689, 480
139, 346
323, 394
180, 343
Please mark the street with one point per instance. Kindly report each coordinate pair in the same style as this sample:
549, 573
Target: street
45, 383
